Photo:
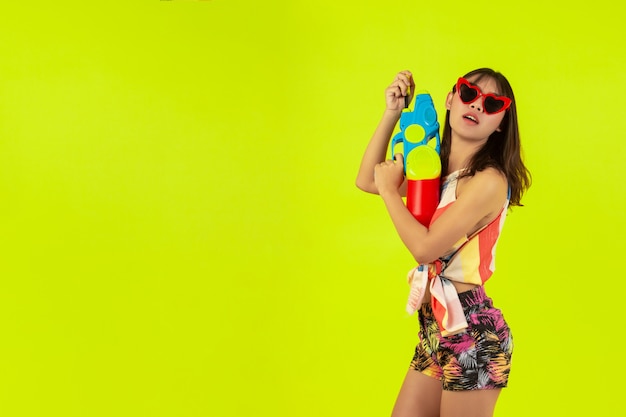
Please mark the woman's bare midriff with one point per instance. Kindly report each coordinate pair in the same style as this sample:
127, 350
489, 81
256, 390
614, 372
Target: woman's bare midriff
460, 287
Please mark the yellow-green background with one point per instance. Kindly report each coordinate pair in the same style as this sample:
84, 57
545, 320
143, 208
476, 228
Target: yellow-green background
181, 236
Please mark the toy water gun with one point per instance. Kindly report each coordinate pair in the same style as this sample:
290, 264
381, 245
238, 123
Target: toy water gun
418, 141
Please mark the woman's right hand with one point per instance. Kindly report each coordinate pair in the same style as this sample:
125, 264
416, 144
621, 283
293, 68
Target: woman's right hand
402, 86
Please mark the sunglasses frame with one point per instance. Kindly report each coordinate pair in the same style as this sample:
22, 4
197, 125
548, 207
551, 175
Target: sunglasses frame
462, 81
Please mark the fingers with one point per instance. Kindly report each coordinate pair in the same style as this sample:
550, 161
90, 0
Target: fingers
410, 77
381, 167
397, 162
404, 81
388, 175
400, 91
402, 85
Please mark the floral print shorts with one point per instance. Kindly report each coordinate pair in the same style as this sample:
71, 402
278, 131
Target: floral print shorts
479, 358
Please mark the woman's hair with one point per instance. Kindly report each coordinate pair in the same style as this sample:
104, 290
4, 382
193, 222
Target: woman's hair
502, 150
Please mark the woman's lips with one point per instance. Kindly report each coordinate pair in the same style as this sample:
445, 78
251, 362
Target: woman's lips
471, 118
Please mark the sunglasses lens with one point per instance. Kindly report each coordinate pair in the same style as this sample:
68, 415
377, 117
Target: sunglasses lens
467, 94
493, 105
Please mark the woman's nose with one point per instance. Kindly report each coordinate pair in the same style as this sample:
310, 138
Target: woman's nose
477, 104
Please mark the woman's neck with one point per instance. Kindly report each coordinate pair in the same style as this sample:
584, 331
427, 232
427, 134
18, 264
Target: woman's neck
461, 153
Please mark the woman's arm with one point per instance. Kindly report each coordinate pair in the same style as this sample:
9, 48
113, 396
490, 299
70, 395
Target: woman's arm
480, 201
376, 150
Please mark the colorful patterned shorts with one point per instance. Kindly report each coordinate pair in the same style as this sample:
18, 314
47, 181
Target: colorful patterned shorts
480, 358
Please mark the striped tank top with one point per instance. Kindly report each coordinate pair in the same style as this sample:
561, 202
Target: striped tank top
471, 260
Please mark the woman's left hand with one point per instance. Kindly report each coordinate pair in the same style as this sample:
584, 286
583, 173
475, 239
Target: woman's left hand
389, 175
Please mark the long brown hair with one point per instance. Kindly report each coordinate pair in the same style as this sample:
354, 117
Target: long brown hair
502, 149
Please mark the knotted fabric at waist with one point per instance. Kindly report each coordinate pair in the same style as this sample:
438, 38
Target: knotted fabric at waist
444, 298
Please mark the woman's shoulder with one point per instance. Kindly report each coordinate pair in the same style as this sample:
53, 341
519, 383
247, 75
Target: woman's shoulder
489, 181
491, 174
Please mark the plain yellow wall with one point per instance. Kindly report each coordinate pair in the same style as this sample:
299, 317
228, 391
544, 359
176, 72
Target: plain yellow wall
180, 232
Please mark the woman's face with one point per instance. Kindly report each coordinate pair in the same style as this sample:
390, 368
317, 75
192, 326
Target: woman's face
470, 121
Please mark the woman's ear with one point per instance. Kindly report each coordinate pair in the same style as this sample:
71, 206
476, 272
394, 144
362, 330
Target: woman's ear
449, 100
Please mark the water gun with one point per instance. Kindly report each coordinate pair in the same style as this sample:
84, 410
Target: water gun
418, 141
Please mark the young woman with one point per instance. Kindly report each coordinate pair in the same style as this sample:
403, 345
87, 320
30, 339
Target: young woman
463, 357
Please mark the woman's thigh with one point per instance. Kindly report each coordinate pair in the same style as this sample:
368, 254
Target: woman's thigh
420, 396
477, 403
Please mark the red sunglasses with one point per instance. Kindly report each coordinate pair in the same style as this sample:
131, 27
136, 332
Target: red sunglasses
469, 93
